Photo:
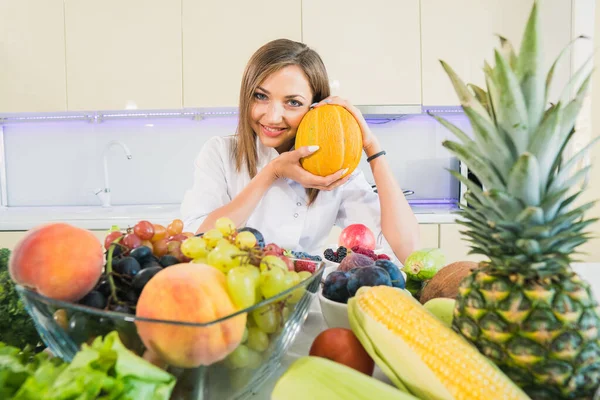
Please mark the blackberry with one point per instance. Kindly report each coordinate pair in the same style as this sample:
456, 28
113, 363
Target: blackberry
342, 252
330, 255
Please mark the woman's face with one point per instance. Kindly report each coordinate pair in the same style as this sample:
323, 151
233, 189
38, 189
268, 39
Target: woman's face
279, 104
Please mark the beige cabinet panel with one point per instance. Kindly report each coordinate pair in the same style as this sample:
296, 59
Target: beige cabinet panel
32, 56
219, 36
463, 34
454, 245
371, 48
8, 239
429, 235
123, 54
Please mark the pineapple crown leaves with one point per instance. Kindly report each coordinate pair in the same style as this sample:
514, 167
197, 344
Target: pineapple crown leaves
516, 152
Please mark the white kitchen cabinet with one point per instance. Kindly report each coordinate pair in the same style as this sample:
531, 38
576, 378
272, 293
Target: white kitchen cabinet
32, 56
463, 34
429, 235
219, 36
454, 245
370, 48
123, 54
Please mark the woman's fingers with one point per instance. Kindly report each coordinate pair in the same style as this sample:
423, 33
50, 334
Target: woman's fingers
323, 182
336, 184
344, 103
330, 100
306, 151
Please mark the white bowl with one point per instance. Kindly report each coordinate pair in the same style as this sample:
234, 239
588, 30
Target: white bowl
335, 314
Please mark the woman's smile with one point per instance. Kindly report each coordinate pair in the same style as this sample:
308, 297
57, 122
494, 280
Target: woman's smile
272, 131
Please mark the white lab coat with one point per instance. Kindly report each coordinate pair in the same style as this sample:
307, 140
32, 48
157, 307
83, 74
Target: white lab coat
282, 215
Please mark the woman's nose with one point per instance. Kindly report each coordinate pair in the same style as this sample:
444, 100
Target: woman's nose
274, 113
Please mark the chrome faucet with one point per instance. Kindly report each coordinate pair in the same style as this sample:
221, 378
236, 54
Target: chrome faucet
104, 194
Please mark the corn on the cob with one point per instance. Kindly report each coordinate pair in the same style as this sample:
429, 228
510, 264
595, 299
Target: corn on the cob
318, 378
418, 352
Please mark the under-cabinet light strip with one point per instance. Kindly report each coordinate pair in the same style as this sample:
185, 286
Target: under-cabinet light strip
97, 117
370, 112
443, 110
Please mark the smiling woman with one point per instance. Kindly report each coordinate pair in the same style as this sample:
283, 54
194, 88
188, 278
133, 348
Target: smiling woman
255, 177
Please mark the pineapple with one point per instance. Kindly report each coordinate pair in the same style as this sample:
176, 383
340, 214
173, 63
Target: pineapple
525, 308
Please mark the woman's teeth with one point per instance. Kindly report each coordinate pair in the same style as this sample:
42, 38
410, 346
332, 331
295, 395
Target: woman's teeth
273, 129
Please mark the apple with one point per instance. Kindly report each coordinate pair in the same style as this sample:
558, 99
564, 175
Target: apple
342, 346
272, 248
357, 235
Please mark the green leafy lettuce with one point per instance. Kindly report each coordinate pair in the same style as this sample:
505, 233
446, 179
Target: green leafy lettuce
104, 370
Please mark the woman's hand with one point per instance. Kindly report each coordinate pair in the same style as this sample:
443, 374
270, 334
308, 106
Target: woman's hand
370, 143
287, 165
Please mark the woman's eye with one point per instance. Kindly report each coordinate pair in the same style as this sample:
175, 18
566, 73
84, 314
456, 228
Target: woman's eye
295, 103
260, 96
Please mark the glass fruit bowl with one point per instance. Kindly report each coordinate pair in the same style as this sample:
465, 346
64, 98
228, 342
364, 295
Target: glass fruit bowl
271, 327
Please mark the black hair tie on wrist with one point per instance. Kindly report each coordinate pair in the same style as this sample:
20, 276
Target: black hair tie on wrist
374, 156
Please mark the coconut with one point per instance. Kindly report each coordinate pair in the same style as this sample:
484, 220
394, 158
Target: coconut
446, 281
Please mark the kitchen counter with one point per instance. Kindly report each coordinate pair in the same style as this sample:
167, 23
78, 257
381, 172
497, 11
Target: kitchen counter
315, 324
97, 217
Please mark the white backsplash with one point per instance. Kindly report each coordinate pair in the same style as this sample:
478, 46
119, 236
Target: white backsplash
60, 163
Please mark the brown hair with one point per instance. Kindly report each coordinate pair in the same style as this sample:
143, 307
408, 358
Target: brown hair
270, 58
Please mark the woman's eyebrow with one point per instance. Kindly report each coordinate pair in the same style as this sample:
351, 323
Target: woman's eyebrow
287, 97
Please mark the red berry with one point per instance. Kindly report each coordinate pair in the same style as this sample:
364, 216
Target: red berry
366, 252
305, 265
383, 257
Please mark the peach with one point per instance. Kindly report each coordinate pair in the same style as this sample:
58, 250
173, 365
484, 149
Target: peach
342, 346
192, 293
58, 260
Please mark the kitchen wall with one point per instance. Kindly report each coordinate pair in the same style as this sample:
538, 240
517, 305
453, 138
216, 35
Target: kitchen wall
592, 248
61, 163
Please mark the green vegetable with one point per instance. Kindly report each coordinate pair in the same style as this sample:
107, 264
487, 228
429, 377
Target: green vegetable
16, 326
423, 264
106, 369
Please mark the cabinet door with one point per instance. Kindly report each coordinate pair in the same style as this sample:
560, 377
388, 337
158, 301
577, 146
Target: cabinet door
123, 54
454, 245
9, 239
219, 36
32, 56
429, 235
463, 34
370, 48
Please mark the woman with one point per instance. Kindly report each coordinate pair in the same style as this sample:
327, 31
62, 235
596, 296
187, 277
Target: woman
255, 177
